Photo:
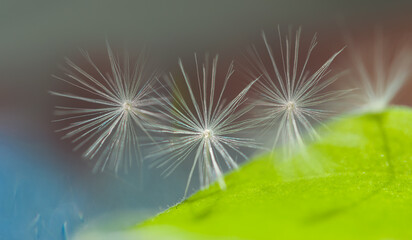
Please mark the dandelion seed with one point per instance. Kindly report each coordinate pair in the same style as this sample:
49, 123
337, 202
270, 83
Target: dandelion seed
381, 82
203, 129
110, 113
291, 99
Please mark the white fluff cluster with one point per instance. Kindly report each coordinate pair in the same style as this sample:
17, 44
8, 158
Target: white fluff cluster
112, 114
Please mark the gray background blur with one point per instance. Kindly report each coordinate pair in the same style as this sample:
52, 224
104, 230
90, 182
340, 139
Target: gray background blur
46, 190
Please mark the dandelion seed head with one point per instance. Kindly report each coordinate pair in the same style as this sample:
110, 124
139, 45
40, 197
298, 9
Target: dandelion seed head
380, 82
291, 99
110, 114
205, 125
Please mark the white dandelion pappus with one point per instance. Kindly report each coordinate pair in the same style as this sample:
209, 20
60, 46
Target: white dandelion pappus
203, 128
110, 112
381, 82
291, 99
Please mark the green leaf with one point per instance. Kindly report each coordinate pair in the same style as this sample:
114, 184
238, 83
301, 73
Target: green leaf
353, 183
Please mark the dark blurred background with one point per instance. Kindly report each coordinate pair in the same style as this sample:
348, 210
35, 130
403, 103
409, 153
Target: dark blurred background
46, 190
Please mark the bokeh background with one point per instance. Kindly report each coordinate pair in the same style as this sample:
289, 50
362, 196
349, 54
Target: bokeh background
46, 190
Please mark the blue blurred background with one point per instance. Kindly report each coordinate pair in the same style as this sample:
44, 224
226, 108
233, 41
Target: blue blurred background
46, 190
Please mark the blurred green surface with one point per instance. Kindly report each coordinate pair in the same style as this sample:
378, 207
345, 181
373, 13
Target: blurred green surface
354, 183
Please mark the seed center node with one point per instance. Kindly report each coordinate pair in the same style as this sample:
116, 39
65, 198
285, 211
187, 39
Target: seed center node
291, 105
207, 133
127, 106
